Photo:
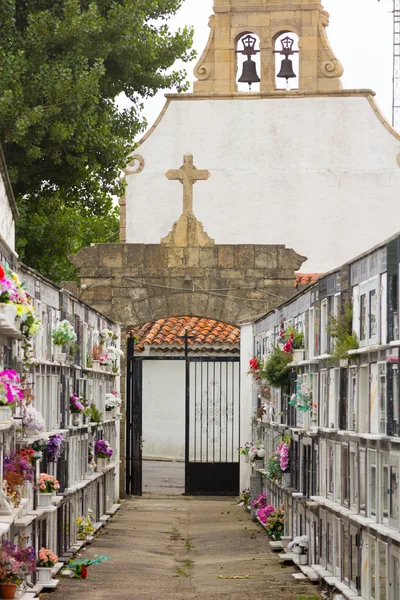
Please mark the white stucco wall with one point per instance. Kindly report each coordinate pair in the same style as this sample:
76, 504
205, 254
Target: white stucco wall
318, 174
248, 399
7, 224
164, 409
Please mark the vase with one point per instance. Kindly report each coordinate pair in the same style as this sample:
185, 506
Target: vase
60, 356
5, 414
45, 500
303, 559
246, 458
44, 574
76, 419
96, 365
101, 463
29, 432
298, 355
8, 590
286, 479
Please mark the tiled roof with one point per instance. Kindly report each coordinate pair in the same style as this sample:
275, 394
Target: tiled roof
167, 332
306, 278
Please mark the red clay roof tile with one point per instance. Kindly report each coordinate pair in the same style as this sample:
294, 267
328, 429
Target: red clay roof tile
171, 331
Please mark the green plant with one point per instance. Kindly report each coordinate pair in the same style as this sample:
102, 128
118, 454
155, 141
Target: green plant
276, 370
95, 414
89, 362
340, 329
274, 471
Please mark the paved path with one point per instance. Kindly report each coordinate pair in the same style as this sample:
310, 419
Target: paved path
184, 549
163, 477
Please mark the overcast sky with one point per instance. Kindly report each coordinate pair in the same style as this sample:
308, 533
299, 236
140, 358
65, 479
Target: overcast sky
360, 32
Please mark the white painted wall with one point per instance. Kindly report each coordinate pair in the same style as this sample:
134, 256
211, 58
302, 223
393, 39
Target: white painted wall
164, 409
318, 174
248, 400
7, 224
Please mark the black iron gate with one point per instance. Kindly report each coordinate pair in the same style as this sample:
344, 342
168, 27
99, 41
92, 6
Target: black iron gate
212, 423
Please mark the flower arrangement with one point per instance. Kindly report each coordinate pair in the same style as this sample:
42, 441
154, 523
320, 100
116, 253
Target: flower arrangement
114, 353
80, 565
244, 450
255, 368
276, 370
275, 523
16, 563
63, 333
291, 339
264, 512
90, 453
20, 464
8, 288
260, 501
102, 449
76, 404
105, 359
54, 447
274, 471
302, 399
97, 351
299, 545
104, 335
244, 497
48, 484
113, 400
38, 447
10, 388
85, 525
32, 419
282, 452
46, 558
257, 452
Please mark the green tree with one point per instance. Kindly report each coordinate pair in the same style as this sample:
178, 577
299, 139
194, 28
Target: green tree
63, 64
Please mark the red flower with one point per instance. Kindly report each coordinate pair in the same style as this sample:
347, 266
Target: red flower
254, 364
2, 273
288, 347
84, 572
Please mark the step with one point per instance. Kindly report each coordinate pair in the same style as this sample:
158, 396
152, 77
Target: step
299, 576
276, 545
113, 509
104, 518
289, 557
309, 572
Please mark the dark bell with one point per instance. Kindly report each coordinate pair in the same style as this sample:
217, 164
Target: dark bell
249, 74
286, 71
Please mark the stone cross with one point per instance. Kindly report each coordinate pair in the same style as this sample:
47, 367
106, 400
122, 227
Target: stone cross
187, 175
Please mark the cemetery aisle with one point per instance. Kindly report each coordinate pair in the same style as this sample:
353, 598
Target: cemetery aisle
183, 549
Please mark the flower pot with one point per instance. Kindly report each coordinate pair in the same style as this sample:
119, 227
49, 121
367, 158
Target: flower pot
45, 500
59, 356
76, 419
286, 479
303, 559
103, 367
44, 574
246, 458
298, 355
101, 463
5, 414
8, 590
96, 365
29, 432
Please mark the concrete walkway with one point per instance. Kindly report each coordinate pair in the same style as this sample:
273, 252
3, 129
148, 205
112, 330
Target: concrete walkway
184, 549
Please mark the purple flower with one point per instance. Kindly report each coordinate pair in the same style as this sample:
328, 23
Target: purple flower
102, 449
55, 447
264, 512
75, 404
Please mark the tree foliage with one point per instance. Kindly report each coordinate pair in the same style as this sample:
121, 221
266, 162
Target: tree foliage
63, 64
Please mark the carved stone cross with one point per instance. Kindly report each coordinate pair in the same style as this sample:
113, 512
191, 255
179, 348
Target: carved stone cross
187, 175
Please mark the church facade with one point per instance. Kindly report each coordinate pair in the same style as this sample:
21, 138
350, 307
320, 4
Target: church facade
304, 167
